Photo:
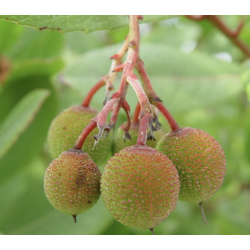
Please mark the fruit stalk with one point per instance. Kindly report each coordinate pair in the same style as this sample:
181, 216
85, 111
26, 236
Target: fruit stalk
118, 97
132, 57
146, 113
153, 97
121, 104
92, 92
82, 137
128, 66
126, 127
98, 121
135, 118
109, 79
117, 60
171, 121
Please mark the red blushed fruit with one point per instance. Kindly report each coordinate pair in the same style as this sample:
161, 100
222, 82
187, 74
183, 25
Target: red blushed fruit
199, 159
72, 182
140, 186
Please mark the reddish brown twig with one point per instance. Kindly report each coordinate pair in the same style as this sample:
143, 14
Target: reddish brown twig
233, 35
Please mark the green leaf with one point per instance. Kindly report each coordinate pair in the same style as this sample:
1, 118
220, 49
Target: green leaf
247, 138
20, 118
182, 81
31, 141
66, 23
36, 66
246, 81
9, 34
37, 45
30, 74
79, 42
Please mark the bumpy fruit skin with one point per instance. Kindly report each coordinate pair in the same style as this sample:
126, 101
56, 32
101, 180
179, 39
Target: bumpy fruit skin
68, 125
140, 186
120, 144
199, 159
72, 182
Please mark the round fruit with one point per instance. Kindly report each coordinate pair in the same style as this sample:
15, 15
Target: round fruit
68, 125
72, 182
119, 142
140, 186
199, 159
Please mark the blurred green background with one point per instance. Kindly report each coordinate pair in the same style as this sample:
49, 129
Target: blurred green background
202, 78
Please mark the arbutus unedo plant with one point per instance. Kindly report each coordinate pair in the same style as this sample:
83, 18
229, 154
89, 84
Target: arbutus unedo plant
140, 185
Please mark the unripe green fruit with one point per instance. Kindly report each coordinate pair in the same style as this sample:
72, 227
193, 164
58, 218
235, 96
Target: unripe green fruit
199, 159
68, 125
119, 142
140, 186
72, 182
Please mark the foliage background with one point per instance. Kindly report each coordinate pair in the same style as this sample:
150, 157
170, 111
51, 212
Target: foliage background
203, 79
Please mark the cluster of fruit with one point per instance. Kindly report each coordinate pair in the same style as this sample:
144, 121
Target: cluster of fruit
140, 184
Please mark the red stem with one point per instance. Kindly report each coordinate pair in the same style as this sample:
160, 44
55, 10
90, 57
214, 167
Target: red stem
99, 120
110, 77
153, 97
92, 92
131, 60
142, 134
133, 52
114, 114
172, 123
118, 98
81, 138
126, 127
102, 116
117, 61
146, 113
135, 118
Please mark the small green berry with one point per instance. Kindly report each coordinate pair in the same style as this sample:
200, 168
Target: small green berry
199, 159
68, 125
